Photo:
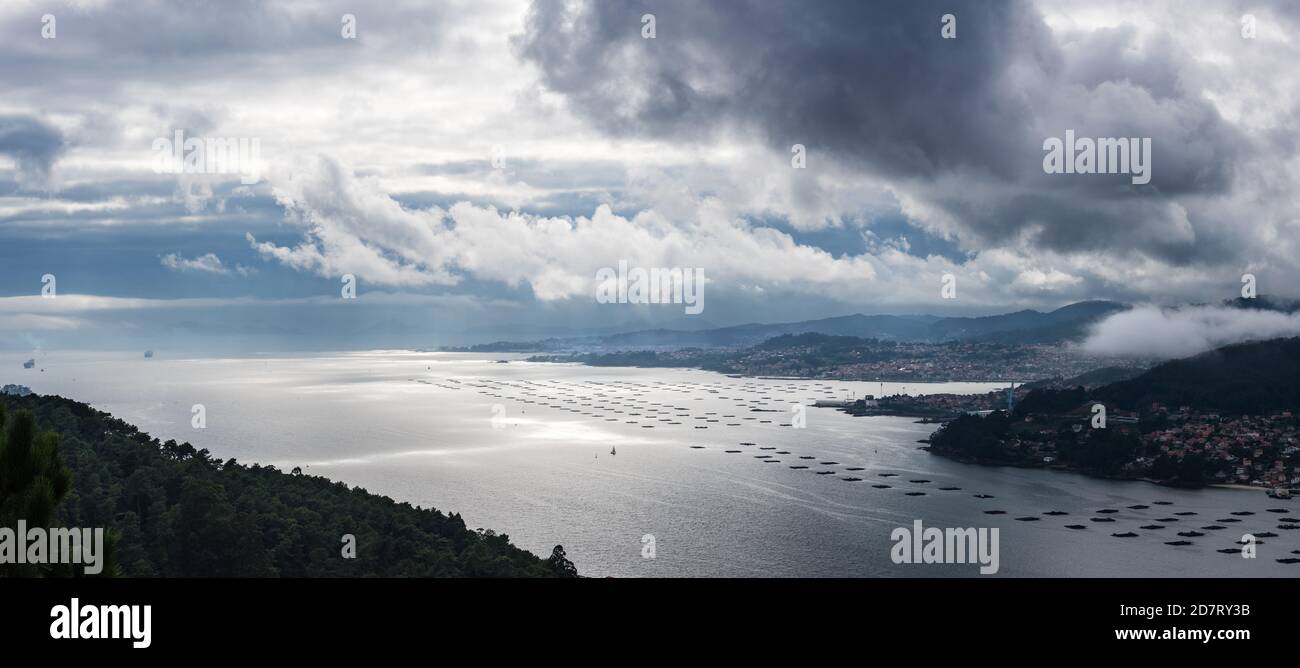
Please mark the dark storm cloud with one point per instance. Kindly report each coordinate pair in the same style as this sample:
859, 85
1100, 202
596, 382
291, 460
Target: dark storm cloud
875, 85
870, 81
32, 144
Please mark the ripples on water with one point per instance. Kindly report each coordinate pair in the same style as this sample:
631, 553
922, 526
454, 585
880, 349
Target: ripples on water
711, 466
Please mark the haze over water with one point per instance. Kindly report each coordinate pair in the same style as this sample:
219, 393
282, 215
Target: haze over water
422, 428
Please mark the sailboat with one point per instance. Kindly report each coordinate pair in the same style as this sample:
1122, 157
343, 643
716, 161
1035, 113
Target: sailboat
613, 451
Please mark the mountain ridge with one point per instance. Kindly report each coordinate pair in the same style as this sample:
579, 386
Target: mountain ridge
1069, 322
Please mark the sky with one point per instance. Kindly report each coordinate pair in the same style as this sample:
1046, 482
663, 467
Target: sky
474, 164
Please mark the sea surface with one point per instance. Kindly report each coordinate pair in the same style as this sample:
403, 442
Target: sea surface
602, 459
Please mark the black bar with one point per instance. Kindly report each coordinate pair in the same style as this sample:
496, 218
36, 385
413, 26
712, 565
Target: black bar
238, 615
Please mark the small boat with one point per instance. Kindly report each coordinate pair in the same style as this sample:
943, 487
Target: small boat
612, 451
1126, 534
1178, 542
1279, 493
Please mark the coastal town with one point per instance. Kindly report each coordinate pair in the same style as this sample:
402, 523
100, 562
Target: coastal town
1251, 450
921, 362
1160, 443
854, 359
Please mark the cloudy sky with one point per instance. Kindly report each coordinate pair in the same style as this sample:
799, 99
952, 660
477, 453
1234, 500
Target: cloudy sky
924, 157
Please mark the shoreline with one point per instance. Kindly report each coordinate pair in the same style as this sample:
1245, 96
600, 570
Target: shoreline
732, 374
1070, 469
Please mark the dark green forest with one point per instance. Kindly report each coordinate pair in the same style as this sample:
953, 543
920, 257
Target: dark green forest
1246, 379
1243, 379
174, 511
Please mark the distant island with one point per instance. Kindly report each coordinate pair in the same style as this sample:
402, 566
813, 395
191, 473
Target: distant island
1230, 415
173, 510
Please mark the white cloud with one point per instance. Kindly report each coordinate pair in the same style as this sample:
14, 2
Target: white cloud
1151, 331
351, 226
671, 202
206, 263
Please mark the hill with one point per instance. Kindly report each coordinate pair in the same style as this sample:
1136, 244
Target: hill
1028, 326
1229, 415
172, 510
1068, 323
1247, 378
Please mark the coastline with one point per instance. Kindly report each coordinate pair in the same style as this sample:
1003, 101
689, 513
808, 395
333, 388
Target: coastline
1078, 471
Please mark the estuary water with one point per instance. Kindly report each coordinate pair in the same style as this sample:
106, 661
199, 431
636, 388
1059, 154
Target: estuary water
663, 472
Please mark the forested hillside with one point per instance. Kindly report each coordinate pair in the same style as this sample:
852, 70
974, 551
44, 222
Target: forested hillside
173, 510
1247, 378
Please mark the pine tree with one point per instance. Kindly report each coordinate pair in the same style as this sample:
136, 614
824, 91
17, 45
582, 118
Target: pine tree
33, 480
560, 565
